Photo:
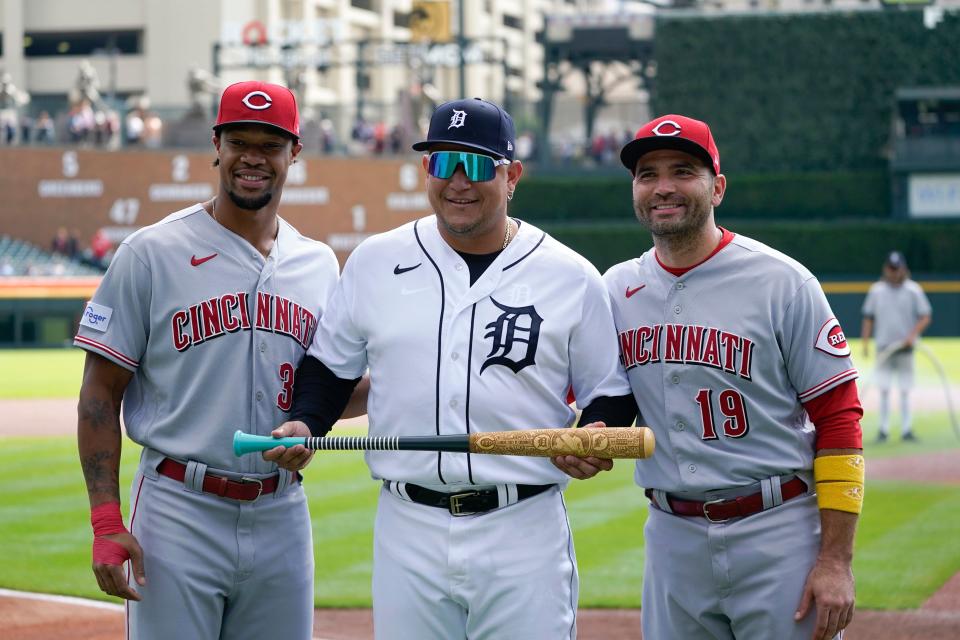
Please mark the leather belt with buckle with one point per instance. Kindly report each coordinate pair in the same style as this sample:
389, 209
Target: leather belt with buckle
723, 510
239, 489
469, 502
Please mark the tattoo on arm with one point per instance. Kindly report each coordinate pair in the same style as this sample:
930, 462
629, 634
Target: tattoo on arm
101, 473
98, 413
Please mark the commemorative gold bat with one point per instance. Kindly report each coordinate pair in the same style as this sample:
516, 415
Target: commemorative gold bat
611, 442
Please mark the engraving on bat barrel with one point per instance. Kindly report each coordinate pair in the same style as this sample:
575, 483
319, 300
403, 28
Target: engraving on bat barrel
624, 442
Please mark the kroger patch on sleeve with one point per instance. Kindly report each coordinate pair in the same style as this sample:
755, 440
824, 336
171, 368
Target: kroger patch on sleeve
96, 316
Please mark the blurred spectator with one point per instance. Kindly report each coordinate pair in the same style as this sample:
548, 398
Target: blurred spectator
6, 268
106, 128
379, 138
26, 128
328, 136
80, 122
152, 131
64, 243
134, 127
396, 139
100, 251
43, 129
362, 136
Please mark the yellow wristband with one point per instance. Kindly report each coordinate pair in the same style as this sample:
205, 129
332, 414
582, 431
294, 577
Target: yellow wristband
839, 482
847, 468
840, 496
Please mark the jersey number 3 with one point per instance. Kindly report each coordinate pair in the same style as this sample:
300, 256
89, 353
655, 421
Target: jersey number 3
734, 411
285, 397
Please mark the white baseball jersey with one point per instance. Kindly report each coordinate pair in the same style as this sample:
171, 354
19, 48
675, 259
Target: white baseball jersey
720, 360
895, 310
212, 330
449, 358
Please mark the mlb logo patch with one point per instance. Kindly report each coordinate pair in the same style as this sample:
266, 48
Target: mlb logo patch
96, 316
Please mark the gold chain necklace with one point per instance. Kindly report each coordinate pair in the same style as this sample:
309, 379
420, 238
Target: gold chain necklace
507, 234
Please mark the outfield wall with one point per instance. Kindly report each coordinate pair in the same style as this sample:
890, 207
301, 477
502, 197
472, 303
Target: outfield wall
338, 200
40, 312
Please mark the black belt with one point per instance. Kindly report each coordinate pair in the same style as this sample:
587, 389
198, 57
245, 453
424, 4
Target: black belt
468, 503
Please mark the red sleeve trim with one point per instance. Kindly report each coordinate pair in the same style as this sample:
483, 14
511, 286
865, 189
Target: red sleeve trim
844, 376
87, 342
836, 415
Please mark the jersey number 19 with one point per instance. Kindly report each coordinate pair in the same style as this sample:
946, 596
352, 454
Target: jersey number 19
731, 406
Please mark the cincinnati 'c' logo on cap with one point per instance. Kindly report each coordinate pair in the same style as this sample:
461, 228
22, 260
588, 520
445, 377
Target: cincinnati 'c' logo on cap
457, 119
667, 128
265, 100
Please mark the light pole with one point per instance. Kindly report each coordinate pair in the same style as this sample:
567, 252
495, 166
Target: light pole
461, 46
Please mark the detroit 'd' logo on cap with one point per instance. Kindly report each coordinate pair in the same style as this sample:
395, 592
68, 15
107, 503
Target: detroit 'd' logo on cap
667, 128
831, 339
257, 100
457, 119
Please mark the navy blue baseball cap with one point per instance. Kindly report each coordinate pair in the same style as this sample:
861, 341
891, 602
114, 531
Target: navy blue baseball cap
896, 260
473, 123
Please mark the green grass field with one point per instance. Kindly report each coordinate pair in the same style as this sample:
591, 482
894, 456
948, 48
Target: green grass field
906, 545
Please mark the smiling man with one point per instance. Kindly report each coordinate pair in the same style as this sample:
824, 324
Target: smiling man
741, 369
469, 320
198, 327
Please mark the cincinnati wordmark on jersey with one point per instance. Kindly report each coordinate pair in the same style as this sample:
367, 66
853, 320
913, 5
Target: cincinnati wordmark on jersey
228, 313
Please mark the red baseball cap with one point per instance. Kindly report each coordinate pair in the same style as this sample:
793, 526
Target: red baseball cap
256, 102
672, 132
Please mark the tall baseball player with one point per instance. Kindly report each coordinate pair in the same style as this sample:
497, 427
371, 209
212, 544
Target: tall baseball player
198, 327
732, 350
469, 320
900, 311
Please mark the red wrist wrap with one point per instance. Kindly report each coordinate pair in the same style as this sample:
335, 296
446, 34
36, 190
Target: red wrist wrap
108, 552
106, 519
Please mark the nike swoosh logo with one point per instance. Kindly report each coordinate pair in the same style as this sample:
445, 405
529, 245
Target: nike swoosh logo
195, 261
397, 270
630, 291
409, 292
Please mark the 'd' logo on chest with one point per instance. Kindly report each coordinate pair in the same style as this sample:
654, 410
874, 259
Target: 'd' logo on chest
514, 336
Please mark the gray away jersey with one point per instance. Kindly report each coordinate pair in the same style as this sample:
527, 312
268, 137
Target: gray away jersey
895, 310
720, 360
449, 358
212, 330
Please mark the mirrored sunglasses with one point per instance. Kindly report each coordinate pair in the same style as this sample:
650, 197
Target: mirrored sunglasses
478, 167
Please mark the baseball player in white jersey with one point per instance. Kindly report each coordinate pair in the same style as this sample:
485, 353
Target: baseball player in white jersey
198, 327
470, 320
897, 310
730, 347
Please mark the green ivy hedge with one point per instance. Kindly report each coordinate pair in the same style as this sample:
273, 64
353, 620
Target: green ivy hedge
826, 248
807, 196
800, 92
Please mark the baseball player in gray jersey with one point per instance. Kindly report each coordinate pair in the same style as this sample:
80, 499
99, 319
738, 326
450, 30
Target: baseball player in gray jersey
198, 327
732, 351
470, 320
897, 310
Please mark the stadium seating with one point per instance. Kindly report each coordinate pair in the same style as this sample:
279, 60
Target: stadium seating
19, 258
